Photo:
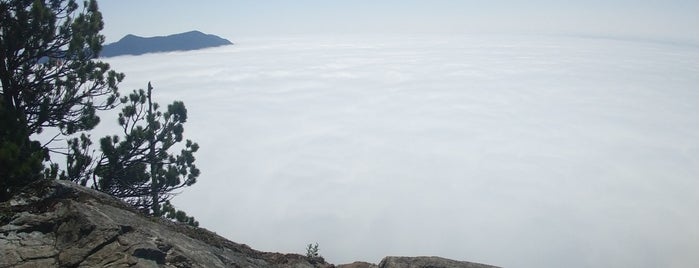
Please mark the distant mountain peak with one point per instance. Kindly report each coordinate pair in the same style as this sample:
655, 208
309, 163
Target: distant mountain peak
194, 32
129, 37
137, 45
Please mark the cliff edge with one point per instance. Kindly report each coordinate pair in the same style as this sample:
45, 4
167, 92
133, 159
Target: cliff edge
55, 223
60, 224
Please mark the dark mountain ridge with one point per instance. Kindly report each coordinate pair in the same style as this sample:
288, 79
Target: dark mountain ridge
136, 45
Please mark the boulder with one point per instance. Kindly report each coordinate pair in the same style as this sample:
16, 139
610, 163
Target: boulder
428, 262
358, 264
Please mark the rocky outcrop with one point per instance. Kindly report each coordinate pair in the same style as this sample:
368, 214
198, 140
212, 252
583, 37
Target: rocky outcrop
358, 264
60, 224
428, 262
416, 262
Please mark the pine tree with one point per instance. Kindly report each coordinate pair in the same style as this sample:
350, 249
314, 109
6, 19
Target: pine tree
312, 251
140, 168
49, 78
20, 158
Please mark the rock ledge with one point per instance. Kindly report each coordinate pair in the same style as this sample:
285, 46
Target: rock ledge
428, 262
60, 224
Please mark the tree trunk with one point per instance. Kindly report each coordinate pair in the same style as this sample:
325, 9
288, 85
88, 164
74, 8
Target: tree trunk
155, 206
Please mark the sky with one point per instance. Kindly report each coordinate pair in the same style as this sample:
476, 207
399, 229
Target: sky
511, 150
675, 20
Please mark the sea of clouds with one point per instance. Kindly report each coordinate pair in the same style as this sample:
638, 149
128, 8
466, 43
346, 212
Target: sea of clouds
517, 151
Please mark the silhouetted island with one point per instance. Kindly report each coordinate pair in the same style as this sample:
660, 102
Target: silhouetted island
136, 45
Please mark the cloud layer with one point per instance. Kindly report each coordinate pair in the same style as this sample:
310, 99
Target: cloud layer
519, 151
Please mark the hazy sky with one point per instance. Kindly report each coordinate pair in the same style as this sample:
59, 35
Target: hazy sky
660, 19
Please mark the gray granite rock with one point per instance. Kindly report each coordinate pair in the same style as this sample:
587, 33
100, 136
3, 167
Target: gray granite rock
60, 224
358, 264
428, 262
